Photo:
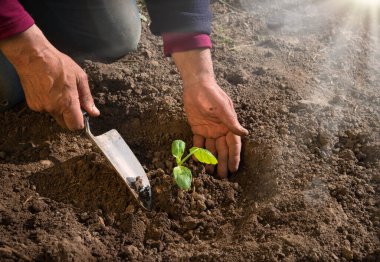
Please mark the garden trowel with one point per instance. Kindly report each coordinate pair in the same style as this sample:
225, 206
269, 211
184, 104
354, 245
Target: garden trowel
125, 163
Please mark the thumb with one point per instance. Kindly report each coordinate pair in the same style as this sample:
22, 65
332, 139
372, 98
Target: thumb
229, 119
86, 100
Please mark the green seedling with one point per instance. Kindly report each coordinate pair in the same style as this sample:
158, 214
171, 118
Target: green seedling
182, 175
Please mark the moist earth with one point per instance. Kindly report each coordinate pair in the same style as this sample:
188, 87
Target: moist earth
304, 84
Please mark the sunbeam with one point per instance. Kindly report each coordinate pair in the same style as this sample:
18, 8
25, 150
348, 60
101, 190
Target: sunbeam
346, 68
350, 61
371, 3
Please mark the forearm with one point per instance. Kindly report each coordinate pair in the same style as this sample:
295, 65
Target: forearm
23, 47
195, 66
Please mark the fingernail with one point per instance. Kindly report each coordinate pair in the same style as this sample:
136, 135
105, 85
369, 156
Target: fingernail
95, 110
245, 131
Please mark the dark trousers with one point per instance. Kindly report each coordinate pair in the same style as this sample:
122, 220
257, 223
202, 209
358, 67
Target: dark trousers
83, 29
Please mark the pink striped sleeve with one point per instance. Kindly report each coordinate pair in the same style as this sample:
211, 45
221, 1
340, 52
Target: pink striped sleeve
13, 18
179, 42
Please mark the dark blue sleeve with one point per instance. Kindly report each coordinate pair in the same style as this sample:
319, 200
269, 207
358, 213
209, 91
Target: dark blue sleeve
179, 16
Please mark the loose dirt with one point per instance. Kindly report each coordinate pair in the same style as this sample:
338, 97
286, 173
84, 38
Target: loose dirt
308, 186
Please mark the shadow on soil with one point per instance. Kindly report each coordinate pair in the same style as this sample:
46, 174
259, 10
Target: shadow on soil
86, 182
257, 175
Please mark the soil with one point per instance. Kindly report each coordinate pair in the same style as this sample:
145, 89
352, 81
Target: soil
306, 86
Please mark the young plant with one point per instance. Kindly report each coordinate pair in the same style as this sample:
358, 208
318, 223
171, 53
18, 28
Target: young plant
182, 175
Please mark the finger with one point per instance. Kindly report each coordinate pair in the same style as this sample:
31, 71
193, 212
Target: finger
222, 149
72, 114
210, 146
234, 148
59, 118
211, 130
198, 141
86, 99
229, 119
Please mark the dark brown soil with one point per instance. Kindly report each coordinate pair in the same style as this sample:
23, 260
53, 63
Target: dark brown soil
304, 83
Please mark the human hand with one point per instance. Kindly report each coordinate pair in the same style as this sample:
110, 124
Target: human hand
209, 110
214, 123
51, 80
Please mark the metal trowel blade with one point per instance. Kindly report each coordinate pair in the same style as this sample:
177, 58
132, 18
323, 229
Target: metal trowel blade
121, 157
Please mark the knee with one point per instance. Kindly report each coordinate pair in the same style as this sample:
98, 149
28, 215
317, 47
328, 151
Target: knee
121, 34
11, 92
122, 42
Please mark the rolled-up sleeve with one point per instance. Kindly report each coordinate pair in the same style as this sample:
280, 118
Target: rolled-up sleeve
179, 42
13, 18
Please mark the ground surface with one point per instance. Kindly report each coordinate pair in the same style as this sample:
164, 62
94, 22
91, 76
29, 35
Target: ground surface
306, 86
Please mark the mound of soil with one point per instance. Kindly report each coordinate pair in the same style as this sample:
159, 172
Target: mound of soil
309, 181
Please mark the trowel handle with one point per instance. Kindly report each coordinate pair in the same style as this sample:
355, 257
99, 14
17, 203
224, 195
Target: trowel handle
86, 119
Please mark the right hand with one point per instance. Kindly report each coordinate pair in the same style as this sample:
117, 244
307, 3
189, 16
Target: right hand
51, 80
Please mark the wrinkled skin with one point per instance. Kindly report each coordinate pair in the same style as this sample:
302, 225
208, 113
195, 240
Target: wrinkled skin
54, 83
210, 111
51, 80
214, 124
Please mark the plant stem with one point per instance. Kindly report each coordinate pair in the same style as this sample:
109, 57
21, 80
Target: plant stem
189, 155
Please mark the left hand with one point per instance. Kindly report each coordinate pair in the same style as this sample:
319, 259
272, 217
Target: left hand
209, 110
214, 123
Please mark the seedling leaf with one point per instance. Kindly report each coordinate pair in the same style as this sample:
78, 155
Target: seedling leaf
204, 155
182, 176
178, 148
